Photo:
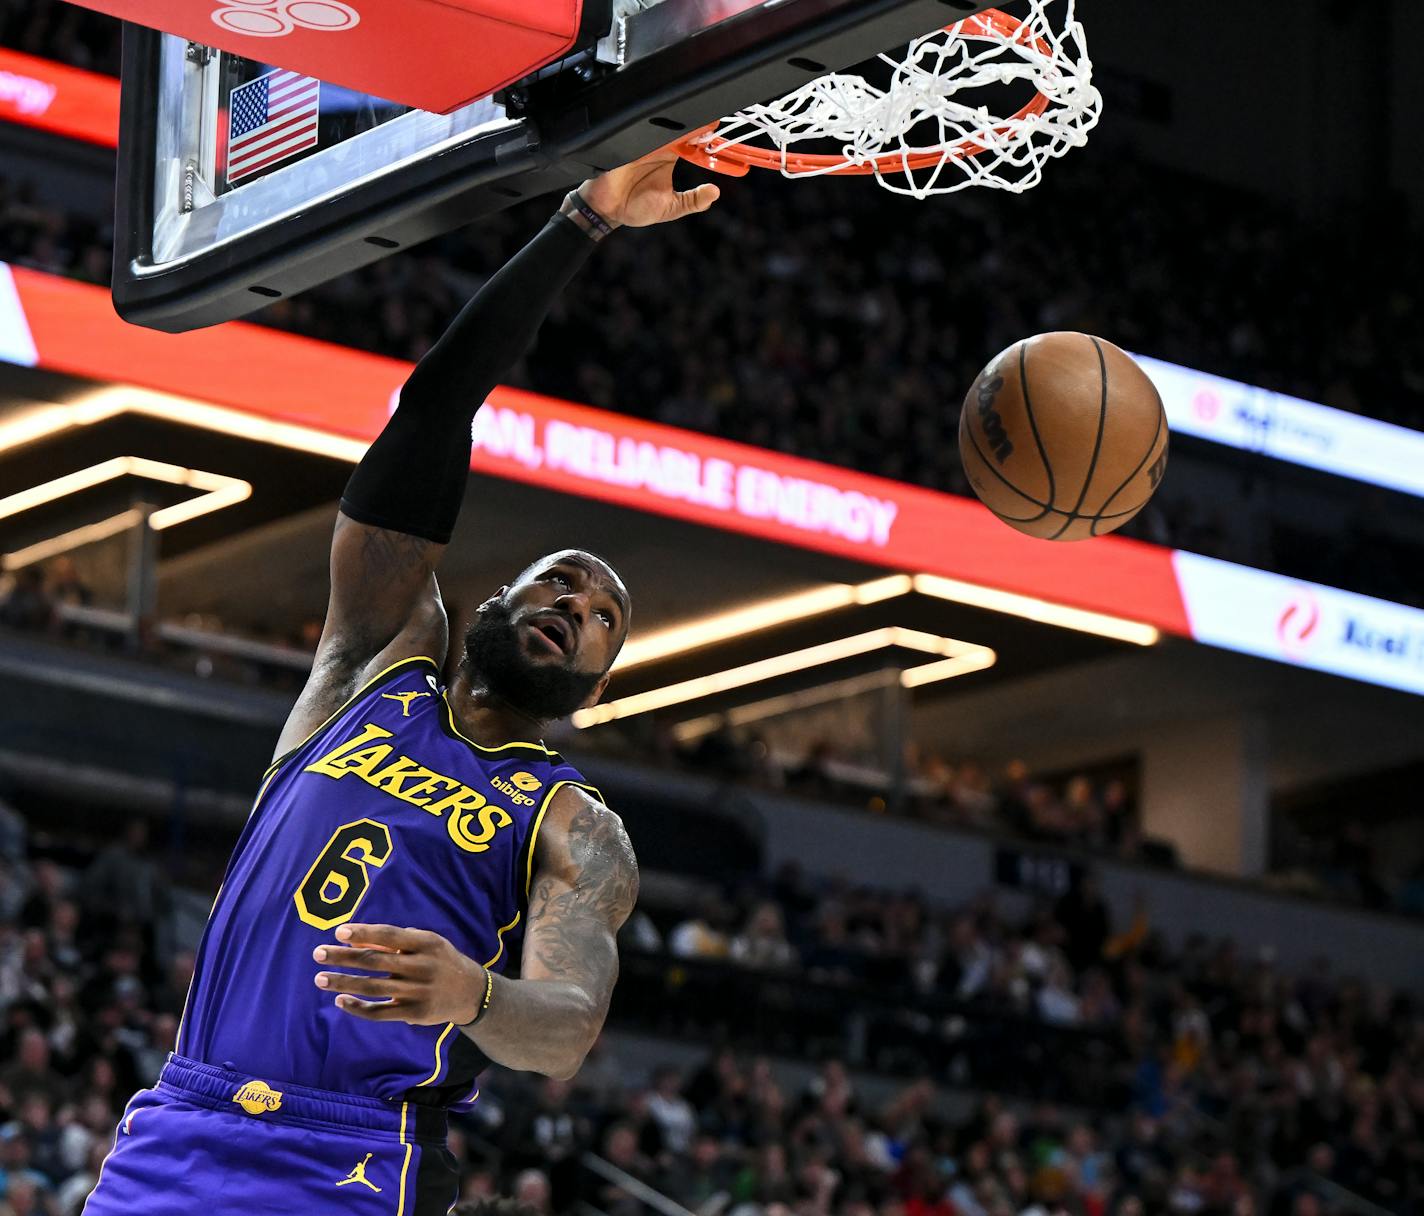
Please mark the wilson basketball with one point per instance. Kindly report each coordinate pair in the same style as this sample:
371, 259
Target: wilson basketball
1063, 436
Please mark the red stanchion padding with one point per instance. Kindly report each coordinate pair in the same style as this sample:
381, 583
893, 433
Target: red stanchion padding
436, 55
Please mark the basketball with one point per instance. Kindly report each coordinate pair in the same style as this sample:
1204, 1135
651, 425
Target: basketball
1063, 436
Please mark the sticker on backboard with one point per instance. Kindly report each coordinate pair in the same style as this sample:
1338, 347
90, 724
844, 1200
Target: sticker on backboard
270, 120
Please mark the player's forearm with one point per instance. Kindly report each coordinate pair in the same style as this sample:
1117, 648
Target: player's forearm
412, 479
543, 1026
496, 327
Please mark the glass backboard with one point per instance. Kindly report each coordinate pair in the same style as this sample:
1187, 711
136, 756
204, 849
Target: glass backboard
241, 182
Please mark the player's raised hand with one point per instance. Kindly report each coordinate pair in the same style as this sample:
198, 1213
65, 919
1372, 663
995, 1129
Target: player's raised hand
642, 193
421, 978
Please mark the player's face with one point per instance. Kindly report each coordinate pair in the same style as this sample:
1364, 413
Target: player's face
546, 643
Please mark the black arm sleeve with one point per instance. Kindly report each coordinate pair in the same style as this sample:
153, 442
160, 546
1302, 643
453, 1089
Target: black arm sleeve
412, 478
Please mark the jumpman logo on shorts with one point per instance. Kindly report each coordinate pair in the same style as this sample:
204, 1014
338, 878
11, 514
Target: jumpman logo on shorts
358, 1174
405, 698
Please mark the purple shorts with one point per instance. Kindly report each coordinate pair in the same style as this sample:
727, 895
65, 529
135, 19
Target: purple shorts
208, 1142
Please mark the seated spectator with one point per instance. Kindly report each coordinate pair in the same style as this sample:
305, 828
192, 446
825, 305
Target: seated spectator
26, 605
672, 1111
762, 943
703, 936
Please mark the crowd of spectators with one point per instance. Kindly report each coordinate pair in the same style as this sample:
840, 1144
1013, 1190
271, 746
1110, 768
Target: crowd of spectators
1090, 811
1243, 1090
853, 343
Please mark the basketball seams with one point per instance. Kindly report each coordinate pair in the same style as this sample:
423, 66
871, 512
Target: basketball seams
1045, 507
1033, 426
1071, 515
1128, 480
1097, 441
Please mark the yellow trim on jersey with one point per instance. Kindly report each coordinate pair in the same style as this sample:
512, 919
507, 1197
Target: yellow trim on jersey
449, 1026
266, 782
502, 747
539, 822
499, 937
434, 1076
347, 704
400, 1202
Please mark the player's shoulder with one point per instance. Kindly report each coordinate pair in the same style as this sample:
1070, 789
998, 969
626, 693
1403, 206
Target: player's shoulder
579, 825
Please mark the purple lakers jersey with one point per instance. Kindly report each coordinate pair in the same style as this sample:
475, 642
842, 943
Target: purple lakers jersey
387, 814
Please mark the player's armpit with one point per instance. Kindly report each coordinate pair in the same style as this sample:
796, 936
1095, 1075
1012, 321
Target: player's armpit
585, 886
385, 606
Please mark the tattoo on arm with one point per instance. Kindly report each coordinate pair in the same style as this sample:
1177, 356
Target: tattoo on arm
573, 925
385, 554
547, 1020
378, 580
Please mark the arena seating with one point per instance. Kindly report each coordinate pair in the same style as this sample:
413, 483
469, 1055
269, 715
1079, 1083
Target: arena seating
1056, 1064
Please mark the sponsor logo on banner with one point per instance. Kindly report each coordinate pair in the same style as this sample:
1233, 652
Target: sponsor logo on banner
55, 97
1324, 628
278, 18
1286, 428
25, 94
1298, 622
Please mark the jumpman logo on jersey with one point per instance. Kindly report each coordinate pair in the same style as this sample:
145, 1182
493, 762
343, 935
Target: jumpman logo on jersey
358, 1174
405, 698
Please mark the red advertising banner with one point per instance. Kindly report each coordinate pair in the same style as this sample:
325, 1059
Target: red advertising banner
54, 97
432, 54
598, 454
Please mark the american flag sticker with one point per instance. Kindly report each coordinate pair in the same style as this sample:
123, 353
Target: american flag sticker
270, 120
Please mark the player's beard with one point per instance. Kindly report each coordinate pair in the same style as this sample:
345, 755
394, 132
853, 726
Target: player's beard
495, 660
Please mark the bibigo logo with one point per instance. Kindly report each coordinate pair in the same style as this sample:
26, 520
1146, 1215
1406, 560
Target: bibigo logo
278, 18
1298, 623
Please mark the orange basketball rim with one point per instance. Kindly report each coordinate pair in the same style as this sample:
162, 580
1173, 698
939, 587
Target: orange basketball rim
706, 148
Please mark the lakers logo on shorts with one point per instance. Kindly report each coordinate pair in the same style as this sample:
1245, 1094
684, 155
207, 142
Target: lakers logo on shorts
257, 1098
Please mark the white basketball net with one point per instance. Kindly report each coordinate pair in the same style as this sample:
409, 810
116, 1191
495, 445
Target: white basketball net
870, 124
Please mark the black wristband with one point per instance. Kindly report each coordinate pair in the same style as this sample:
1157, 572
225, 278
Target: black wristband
484, 1004
576, 208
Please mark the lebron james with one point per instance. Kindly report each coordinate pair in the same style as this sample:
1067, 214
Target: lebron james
410, 838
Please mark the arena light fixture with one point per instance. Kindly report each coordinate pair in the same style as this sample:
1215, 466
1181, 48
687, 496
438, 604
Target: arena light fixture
115, 401
751, 618
947, 669
65, 541
217, 490
771, 707
1033, 609
781, 665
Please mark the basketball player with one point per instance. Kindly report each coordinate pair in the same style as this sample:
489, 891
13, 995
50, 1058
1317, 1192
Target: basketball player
409, 837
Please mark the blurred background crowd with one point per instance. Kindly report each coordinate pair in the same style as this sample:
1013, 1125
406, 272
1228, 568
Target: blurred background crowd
854, 343
1128, 1077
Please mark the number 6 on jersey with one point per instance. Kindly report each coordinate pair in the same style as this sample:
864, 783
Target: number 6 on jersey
337, 881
